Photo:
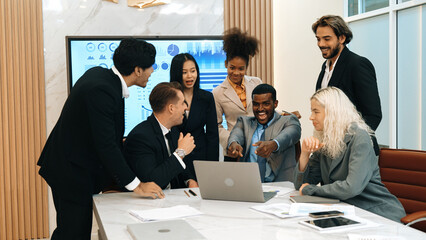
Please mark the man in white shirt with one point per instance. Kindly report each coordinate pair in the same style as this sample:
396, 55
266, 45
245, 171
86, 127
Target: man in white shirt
155, 149
353, 74
83, 152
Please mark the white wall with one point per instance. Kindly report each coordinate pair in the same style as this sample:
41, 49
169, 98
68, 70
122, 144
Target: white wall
297, 59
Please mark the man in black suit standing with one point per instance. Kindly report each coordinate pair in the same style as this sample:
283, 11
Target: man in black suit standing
155, 149
353, 74
83, 153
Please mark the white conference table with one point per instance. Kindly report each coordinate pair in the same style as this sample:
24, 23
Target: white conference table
228, 219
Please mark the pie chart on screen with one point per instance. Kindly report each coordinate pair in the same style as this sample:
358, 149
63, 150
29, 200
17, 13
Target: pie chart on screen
173, 50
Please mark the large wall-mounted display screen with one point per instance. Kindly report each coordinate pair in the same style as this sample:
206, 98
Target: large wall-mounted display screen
87, 52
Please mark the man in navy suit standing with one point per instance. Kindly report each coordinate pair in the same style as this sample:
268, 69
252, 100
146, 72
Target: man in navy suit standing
353, 74
83, 153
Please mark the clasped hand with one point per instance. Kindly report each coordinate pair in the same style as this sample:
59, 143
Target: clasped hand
186, 143
311, 144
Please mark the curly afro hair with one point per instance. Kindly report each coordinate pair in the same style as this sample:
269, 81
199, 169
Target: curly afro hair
239, 44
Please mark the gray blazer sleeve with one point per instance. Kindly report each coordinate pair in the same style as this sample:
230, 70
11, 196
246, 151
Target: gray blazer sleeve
361, 165
290, 134
237, 133
312, 173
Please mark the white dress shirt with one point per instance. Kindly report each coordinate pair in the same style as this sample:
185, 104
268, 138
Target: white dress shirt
328, 73
125, 92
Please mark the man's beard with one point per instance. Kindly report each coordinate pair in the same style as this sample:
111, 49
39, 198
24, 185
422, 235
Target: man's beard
334, 52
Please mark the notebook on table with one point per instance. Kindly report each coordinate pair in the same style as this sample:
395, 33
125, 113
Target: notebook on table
233, 181
312, 199
174, 229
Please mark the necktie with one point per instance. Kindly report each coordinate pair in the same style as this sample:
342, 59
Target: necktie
170, 142
261, 160
174, 182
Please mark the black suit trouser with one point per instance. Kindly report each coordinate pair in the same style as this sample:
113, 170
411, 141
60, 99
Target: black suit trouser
73, 219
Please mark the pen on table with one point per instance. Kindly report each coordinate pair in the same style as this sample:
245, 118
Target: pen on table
192, 192
186, 193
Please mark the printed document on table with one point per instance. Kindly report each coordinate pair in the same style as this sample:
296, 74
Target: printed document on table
159, 214
280, 210
303, 209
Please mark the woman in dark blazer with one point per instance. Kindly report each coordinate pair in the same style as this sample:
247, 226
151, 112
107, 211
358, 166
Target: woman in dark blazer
200, 120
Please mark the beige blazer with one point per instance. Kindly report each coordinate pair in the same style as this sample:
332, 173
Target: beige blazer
228, 103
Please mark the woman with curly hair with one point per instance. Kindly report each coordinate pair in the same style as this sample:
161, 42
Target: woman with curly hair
343, 158
233, 95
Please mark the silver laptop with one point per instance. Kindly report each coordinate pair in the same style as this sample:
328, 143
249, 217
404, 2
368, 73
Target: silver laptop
174, 229
234, 181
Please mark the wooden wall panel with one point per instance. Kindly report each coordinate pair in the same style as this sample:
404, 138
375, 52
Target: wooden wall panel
23, 194
254, 17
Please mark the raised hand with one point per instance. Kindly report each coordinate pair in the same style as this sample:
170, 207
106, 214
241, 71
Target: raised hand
186, 143
309, 145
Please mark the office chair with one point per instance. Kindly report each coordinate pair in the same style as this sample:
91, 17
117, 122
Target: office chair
404, 174
297, 146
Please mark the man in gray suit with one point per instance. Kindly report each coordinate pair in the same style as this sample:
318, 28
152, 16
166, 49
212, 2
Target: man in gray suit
267, 138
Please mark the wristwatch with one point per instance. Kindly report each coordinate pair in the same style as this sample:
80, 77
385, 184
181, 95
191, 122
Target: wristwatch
180, 153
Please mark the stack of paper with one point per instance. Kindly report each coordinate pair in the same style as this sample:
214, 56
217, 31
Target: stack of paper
281, 210
284, 210
179, 211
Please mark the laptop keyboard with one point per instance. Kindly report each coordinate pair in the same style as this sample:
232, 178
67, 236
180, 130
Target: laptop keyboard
268, 195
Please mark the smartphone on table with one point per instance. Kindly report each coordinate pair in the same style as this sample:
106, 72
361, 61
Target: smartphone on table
323, 214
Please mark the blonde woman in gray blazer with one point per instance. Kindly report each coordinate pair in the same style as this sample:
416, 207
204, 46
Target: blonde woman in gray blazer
343, 158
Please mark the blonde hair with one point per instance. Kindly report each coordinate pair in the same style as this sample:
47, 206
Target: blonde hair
340, 115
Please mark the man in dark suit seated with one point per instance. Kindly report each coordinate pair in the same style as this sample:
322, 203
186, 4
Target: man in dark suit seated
268, 138
155, 149
83, 152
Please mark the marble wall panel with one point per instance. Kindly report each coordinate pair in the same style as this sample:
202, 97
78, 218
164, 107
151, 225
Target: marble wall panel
103, 18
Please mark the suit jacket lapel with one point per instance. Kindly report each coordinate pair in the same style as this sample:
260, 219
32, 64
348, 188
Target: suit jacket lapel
159, 135
339, 68
122, 118
249, 89
321, 76
269, 130
193, 111
232, 95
